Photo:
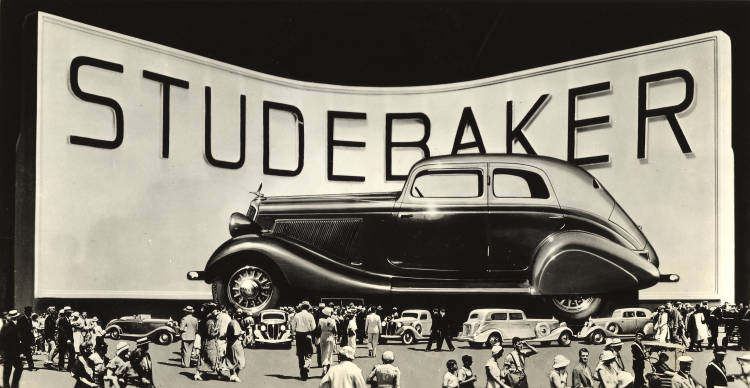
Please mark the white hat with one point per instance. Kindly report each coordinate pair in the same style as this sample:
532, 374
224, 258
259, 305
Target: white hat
608, 355
682, 359
388, 356
560, 361
497, 349
613, 342
327, 311
121, 347
348, 352
13, 314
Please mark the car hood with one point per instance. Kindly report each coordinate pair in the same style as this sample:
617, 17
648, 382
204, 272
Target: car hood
404, 320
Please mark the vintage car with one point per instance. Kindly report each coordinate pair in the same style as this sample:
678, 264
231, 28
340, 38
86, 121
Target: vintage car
487, 327
161, 331
412, 326
461, 225
272, 329
623, 322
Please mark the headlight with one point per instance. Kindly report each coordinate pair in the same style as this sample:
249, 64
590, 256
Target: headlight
262, 327
283, 328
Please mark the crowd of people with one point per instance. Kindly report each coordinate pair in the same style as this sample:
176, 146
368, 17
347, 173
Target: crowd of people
77, 342
213, 339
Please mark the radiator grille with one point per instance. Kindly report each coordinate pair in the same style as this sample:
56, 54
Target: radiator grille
337, 237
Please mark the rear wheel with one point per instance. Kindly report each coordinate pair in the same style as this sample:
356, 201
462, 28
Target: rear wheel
597, 337
494, 339
114, 333
575, 307
614, 328
251, 288
163, 338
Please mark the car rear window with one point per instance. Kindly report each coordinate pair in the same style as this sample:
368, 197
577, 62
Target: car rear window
510, 183
499, 316
448, 184
640, 314
516, 316
628, 314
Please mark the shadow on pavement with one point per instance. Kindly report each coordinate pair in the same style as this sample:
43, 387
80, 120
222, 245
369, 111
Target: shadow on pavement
284, 377
170, 364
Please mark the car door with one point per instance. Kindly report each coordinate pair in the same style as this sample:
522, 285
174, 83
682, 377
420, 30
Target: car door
519, 327
522, 212
426, 322
642, 318
628, 322
442, 222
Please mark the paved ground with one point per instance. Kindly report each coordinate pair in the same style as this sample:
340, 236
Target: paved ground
277, 367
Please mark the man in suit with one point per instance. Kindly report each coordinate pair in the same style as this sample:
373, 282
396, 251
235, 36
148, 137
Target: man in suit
582, 376
435, 324
716, 372
639, 361
683, 379
10, 346
65, 340
188, 329
26, 334
444, 331
372, 328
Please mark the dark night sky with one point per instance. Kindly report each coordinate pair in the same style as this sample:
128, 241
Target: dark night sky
385, 44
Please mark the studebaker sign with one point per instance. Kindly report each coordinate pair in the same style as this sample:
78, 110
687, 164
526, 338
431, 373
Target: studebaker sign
137, 153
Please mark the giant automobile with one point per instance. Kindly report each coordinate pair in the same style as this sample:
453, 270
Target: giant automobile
463, 224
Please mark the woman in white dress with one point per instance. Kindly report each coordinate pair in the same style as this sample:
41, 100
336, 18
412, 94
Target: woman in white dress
327, 338
661, 326
351, 330
701, 329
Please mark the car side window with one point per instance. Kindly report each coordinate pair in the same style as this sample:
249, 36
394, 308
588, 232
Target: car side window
511, 183
640, 314
516, 316
628, 314
499, 317
448, 184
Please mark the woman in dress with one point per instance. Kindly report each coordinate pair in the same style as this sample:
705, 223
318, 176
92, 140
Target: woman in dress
210, 345
327, 327
606, 372
701, 329
661, 325
351, 330
558, 376
385, 375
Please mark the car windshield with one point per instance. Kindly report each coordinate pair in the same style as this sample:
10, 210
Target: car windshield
474, 316
274, 316
410, 315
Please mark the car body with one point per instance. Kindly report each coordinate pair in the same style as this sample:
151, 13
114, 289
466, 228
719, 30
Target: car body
462, 225
412, 326
623, 322
490, 326
159, 330
272, 328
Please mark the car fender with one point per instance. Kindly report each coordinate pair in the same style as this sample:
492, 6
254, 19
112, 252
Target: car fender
113, 326
555, 334
157, 330
300, 267
401, 330
483, 336
598, 266
586, 331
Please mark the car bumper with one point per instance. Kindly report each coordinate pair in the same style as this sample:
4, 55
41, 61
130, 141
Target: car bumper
196, 275
273, 342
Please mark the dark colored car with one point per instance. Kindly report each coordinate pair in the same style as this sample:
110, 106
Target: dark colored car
161, 331
463, 224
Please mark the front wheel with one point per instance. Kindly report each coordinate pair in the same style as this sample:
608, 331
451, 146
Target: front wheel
114, 333
407, 338
575, 307
597, 337
250, 288
163, 338
494, 339
564, 339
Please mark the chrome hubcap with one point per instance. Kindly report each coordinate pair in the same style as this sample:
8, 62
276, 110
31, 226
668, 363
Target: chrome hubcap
250, 288
573, 304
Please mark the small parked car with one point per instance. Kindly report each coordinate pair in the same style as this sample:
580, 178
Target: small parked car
462, 225
623, 322
272, 328
487, 327
412, 326
158, 330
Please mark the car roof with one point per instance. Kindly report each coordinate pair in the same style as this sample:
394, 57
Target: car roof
496, 310
631, 309
415, 311
275, 311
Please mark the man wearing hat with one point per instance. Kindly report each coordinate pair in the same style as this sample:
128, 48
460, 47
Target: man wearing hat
682, 378
140, 361
118, 367
50, 324
558, 376
615, 345
10, 347
385, 375
716, 372
639, 360
65, 339
346, 374
373, 326
188, 328
302, 327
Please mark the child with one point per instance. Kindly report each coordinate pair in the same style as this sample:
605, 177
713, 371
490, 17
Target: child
450, 379
466, 377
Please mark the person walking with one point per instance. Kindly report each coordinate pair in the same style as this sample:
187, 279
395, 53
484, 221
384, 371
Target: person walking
65, 340
317, 314
10, 347
683, 379
495, 374
351, 329
516, 362
444, 332
385, 375
466, 377
558, 376
78, 330
716, 372
188, 329
210, 344
433, 333
450, 378
50, 328
327, 327
661, 326
581, 375
235, 357
639, 361
26, 334
344, 375
302, 327
373, 326
606, 372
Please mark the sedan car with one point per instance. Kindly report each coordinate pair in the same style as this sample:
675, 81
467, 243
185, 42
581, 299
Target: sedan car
161, 331
412, 326
272, 329
625, 321
462, 225
488, 327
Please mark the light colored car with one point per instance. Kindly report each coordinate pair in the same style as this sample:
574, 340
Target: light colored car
273, 329
623, 322
412, 326
487, 327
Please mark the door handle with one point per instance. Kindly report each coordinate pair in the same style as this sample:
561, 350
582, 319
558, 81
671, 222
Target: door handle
356, 263
406, 215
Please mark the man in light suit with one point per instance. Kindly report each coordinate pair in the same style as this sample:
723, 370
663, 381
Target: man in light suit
372, 328
188, 328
